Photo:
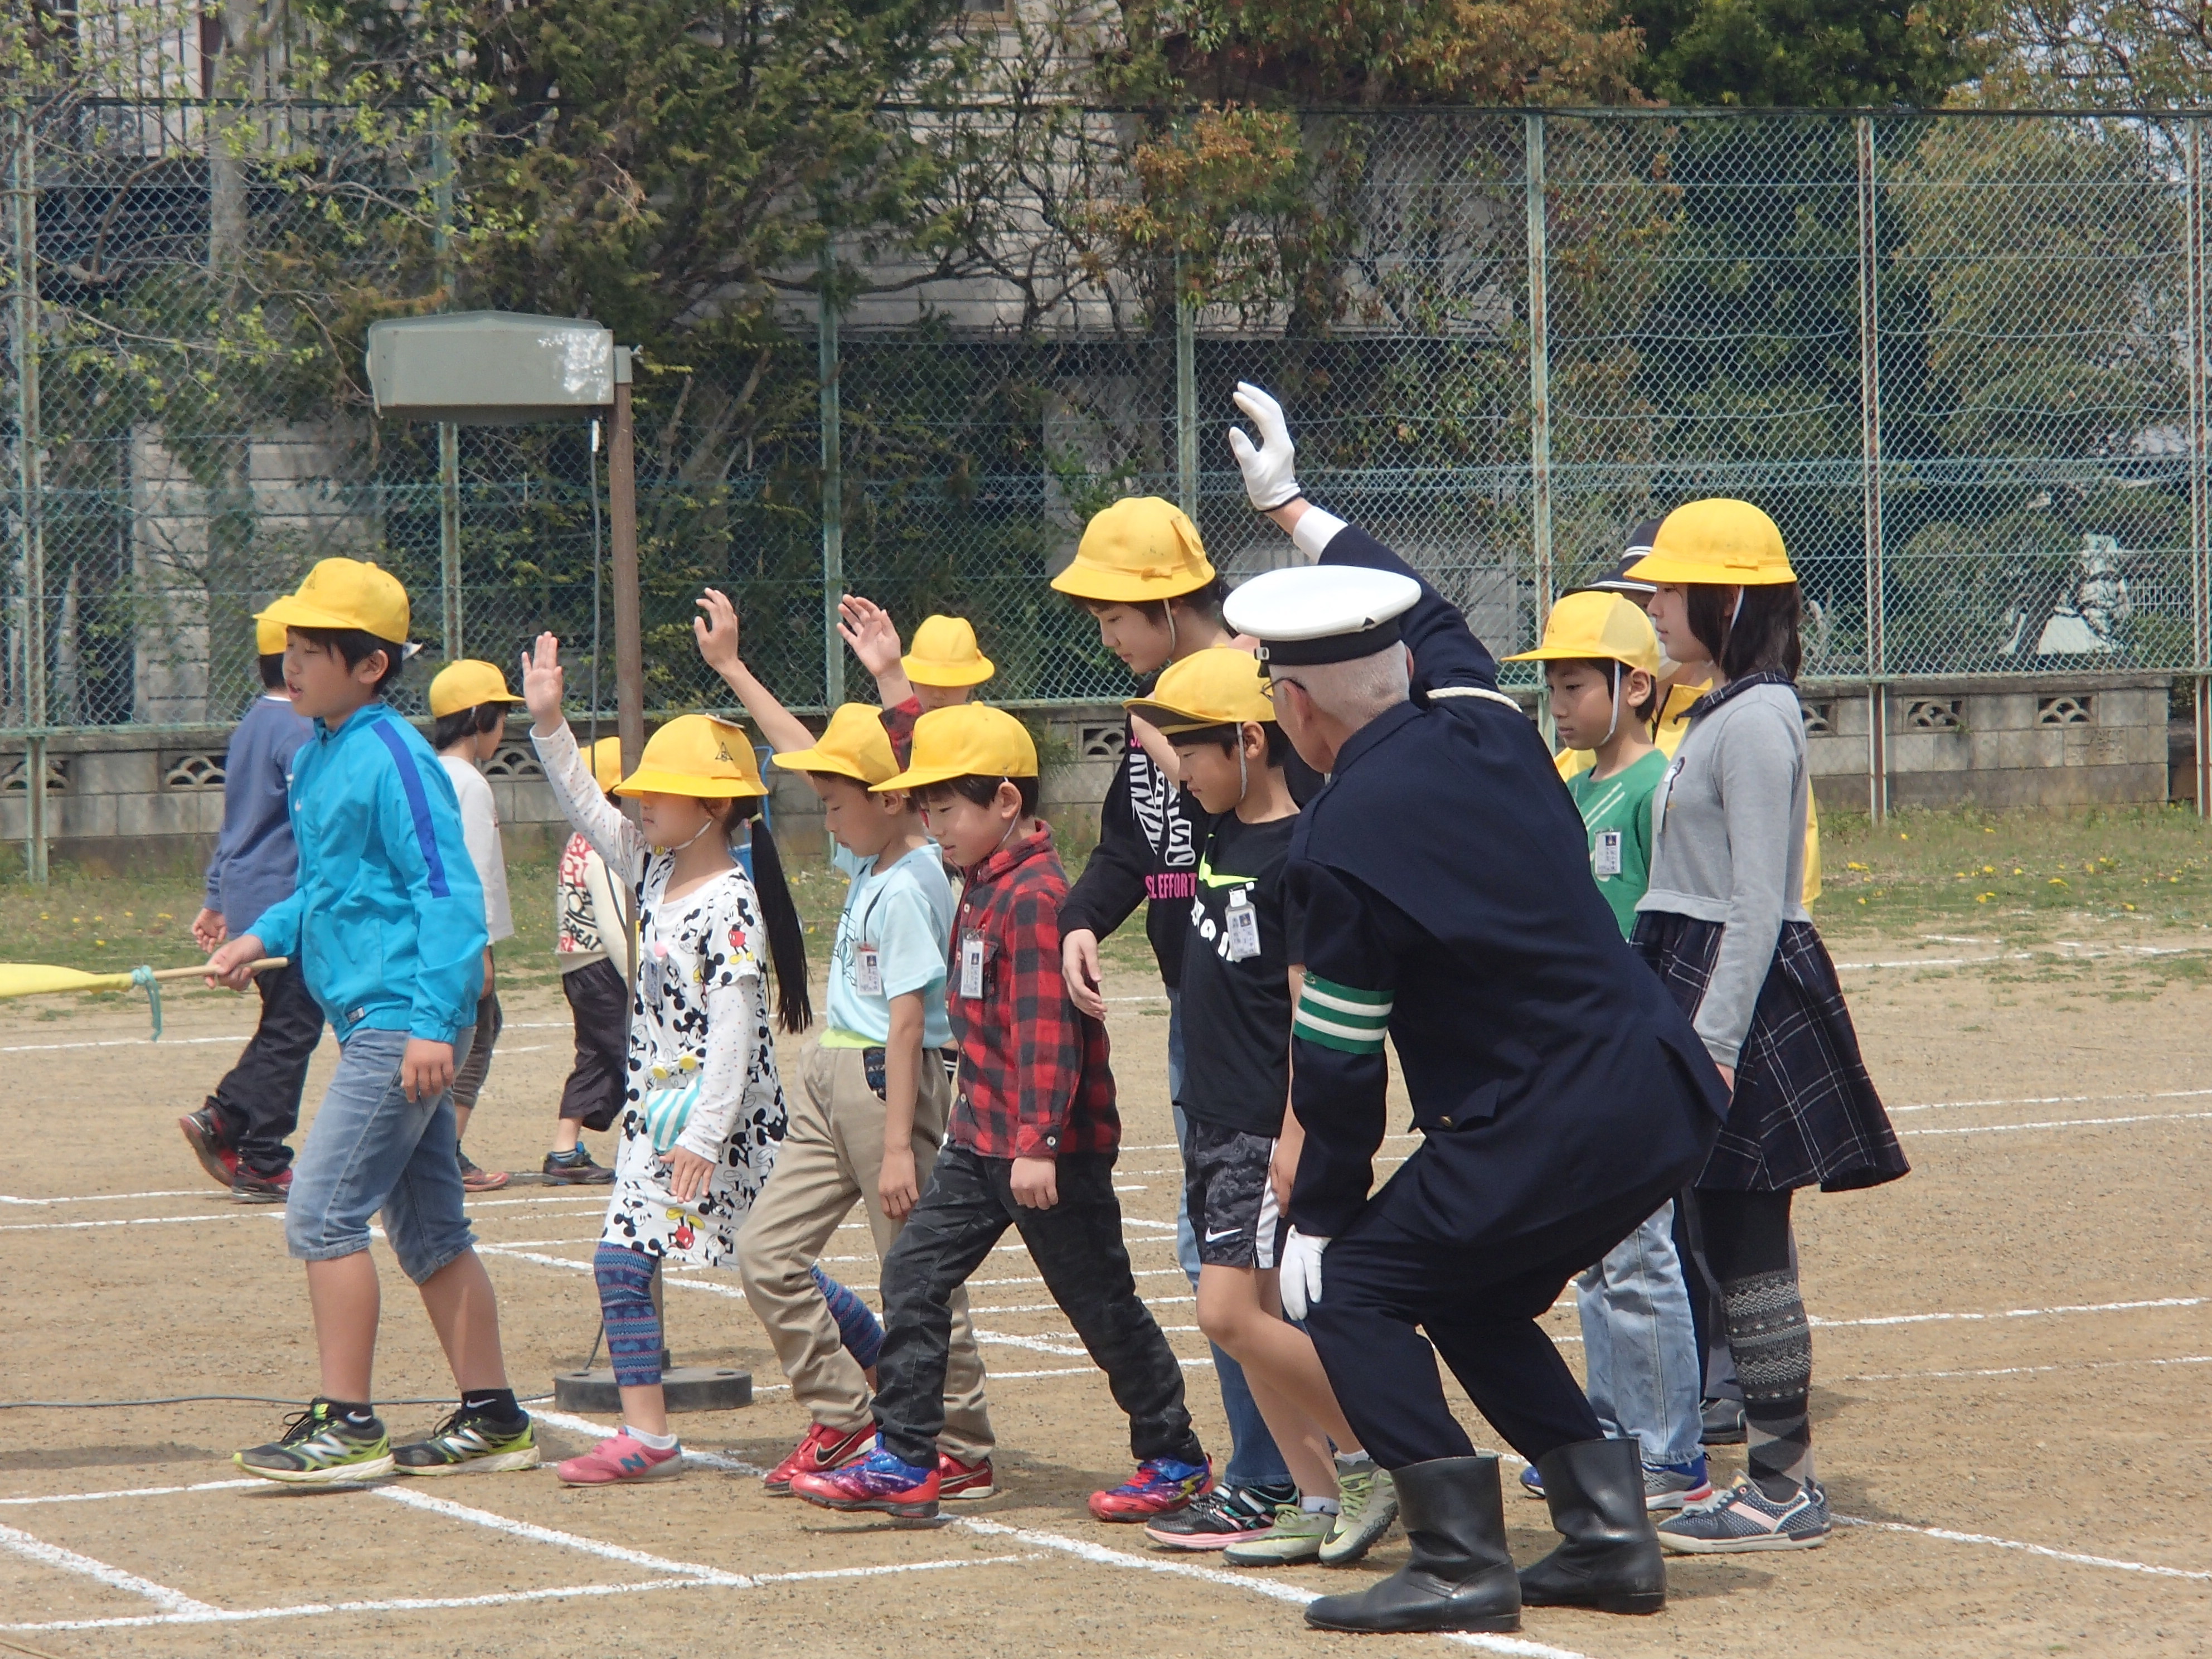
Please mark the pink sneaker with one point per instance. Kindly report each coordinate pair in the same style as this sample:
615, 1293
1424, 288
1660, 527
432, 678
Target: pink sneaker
621, 1459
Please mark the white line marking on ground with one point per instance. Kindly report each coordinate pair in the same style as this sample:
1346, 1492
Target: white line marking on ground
2026, 1370
134, 1492
122, 1042
2015, 1313
53, 1555
2064, 1123
538, 1535
132, 1221
116, 1198
2044, 1550
2055, 1100
1250, 1583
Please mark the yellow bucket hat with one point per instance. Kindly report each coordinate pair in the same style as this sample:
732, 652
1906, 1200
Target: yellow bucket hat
696, 754
1218, 686
1597, 625
345, 593
968, 740
1726, 543
465, 683
1139, 549
853, 745
267, 636
606, 763
946, 654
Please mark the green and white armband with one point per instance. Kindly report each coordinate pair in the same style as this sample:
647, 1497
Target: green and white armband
1342, 1016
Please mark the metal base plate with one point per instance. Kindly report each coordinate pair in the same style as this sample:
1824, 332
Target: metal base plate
688, 1389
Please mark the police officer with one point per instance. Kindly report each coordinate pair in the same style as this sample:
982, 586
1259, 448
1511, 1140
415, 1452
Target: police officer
1443, 898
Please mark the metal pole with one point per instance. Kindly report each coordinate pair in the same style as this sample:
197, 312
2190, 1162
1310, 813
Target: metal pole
1870, 476
1186, 397
30, 473
2200, 531
1540, 377
449, 435
828, 367
621, 515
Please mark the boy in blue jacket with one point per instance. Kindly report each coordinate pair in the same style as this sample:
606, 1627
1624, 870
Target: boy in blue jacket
387, 922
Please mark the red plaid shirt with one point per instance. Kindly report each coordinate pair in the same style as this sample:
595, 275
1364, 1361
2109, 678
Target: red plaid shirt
1034, 1080
898, 726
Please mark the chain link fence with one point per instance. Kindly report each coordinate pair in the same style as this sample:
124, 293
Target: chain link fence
1958, 358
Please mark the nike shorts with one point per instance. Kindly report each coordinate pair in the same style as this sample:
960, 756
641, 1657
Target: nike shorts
1232, 1205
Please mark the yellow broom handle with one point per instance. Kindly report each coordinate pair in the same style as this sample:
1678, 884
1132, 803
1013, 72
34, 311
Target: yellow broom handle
201, 972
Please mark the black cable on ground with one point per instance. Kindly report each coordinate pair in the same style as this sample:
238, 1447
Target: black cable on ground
194, 1399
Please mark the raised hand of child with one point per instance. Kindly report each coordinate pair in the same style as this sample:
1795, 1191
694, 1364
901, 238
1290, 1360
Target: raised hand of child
688, 1173
717, 631
543, 682
897, 1185
866, 627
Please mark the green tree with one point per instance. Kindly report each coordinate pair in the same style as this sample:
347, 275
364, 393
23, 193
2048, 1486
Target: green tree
1818, 54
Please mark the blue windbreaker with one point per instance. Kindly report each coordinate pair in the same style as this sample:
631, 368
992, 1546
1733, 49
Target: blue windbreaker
388, 917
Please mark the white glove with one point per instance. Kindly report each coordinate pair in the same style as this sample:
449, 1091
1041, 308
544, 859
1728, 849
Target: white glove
1300, 1278
1269, 479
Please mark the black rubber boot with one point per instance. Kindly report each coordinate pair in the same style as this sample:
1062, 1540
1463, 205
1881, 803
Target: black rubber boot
1611, 1559
1460, 1577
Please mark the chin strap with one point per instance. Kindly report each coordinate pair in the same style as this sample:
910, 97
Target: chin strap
696, 834
1613, 725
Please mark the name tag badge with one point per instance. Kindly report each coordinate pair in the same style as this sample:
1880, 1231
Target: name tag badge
1242, 926
868, 970
1605, 852
971, 965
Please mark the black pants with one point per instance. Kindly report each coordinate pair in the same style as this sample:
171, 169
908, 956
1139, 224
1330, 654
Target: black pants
258, 1100
1746, 1233
964, 1212
599, 1002
469, 1077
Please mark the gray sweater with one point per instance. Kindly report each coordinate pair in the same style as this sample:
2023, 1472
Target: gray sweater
1728, 845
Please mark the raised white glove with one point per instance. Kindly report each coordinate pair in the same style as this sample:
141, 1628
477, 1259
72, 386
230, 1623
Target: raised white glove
1300, 1278
1269, 477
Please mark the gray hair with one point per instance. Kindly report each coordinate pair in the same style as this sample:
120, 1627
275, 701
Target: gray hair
1357, 691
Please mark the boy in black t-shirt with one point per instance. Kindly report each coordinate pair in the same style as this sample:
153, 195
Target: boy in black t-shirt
1242, 1151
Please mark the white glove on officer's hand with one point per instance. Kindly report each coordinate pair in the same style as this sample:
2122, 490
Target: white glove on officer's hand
1267, 467
1300, 1279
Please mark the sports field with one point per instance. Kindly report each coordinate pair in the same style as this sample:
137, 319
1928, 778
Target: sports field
2012, 1356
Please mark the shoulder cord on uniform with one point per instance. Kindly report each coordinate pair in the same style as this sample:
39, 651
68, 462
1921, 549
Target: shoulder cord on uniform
1475, 691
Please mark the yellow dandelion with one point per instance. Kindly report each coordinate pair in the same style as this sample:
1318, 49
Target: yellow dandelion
2056, 881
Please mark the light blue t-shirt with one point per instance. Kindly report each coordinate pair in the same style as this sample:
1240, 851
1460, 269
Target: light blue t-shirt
904, 915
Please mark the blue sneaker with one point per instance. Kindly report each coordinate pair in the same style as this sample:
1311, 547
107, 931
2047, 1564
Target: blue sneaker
1672, 1485
1532, 1484
877, 1481
1744, 1519
1161, 1485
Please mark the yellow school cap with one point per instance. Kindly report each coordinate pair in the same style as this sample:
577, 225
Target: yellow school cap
1592, 624
466, 684
345, 593
946, 654
853, 745
968, 740
1723, 542
606, 763
1218, 686
1139, 549
696, 755
267, 636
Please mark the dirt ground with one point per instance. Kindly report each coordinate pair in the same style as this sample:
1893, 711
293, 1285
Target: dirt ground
2010, 1382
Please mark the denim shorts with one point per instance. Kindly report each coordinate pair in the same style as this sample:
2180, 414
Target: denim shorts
370, 1148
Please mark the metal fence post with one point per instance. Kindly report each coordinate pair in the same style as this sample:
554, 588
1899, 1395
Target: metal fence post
1539, 388
1870, 476
828, 365
1186, 397
30, 475
449, 435
2200, 534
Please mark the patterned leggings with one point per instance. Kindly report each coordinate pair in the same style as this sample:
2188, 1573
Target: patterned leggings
1748, 1242
633, 1339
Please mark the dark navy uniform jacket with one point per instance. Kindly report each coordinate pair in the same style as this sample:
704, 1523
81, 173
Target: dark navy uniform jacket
1441, 890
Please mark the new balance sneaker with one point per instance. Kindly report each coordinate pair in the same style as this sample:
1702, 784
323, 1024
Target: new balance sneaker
203, 1133
618, 1461
1160, 1486
1743, 1520
966, 1483
1225, 1515
1723, 1422
319, 1447
475, 1180
575, 1168
905, 1491
1297, 1536
820, 1449
251, 1187
470, 1443
1370, 1501
1673, 1486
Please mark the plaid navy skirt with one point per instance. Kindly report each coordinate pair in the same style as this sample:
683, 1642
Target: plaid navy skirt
1804, 1110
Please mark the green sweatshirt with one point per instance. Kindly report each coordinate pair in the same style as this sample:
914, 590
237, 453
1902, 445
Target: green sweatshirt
1617, 812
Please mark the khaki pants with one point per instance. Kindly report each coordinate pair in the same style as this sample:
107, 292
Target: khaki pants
832, 1154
